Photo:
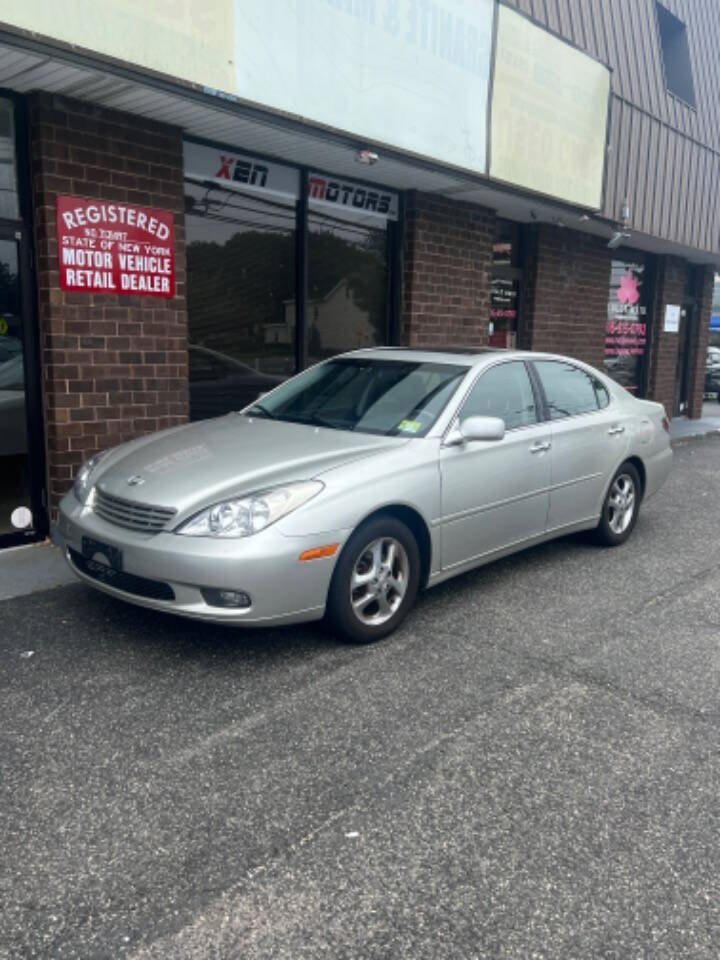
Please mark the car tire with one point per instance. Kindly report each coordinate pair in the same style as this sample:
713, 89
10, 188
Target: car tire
375, 581
620, 507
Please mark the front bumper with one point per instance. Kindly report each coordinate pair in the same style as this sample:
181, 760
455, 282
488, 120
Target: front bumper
265, 566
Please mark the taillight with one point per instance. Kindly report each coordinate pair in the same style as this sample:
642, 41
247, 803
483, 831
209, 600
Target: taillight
666, 423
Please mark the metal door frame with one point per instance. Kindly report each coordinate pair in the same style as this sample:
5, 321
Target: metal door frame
683, 377
19, 232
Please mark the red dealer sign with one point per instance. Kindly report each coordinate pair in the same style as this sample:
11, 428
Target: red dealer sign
115, 248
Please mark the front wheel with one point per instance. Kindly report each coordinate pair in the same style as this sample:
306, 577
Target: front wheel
621, 506
375, 582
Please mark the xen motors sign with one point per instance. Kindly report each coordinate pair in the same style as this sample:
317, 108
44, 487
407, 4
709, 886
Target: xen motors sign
252, 172
352, 196
236, 171
254, 175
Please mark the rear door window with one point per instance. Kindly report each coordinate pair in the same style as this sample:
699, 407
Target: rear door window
569, 390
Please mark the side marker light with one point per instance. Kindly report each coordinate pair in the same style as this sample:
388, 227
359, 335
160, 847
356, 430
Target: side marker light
329, 550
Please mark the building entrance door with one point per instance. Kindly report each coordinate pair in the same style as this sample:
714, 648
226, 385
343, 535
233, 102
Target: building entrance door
682, 370
22, 513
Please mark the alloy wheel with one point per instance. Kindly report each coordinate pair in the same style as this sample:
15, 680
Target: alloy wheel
621, 503
379, 581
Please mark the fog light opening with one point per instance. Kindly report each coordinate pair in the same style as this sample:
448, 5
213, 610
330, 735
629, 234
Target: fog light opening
236, 599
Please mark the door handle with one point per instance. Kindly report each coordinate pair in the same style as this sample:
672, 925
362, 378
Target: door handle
540, 446
616, 429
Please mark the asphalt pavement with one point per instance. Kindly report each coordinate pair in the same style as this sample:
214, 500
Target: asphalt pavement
529, 768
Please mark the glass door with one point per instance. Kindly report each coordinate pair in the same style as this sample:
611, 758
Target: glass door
22, 515
684, 354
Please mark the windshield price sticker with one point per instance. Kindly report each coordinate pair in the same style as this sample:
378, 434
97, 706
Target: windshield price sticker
115, 248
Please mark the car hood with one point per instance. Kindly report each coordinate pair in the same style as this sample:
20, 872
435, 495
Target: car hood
192, 466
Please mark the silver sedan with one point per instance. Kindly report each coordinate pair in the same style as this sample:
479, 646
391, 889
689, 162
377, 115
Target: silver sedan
368, 477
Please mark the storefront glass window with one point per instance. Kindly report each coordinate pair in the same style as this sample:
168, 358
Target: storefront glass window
347, 282
15, 504
243, 217
626, 331
505, 285
715, 314
9, 209
240, 294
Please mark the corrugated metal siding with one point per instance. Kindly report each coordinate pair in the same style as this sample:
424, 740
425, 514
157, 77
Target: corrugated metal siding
664, 155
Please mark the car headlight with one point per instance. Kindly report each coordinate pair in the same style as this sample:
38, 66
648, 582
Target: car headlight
245, 516
81, 484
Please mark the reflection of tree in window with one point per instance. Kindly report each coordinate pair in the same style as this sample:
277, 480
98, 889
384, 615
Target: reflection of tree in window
241, 278
241, 275
238, 287
350, 259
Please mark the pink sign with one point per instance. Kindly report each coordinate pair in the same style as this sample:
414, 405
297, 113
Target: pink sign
115, 248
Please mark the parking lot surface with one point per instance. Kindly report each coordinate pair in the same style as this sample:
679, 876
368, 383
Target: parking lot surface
527, 769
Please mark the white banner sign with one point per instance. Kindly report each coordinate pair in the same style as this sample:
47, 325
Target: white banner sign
410, 74
236, 171
549, 113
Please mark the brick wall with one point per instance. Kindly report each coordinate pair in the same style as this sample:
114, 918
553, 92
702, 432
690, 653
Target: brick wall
564, 309
446, 274
670, 287
114, 367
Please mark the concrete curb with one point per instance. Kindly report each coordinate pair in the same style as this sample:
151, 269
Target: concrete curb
691, 437
31, 568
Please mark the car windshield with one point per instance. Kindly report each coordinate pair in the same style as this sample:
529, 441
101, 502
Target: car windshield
389, 397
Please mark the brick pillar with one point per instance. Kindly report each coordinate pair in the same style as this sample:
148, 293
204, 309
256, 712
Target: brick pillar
446, 275
114, 367
704, 281
670, 287
564, 309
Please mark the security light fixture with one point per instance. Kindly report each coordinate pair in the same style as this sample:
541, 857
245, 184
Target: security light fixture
368, 157
625, 212
617, 239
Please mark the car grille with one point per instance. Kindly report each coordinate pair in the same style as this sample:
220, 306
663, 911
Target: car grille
133, 516
127, 582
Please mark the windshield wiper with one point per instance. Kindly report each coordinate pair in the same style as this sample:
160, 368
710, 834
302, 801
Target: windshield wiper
262, 410
314, 419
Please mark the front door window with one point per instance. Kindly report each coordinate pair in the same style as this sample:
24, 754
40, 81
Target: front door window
682, 364
627, 326
15, 487
505, 285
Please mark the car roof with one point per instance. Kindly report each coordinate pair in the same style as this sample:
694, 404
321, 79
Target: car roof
463, 356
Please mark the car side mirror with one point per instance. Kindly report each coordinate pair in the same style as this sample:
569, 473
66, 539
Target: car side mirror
476, 428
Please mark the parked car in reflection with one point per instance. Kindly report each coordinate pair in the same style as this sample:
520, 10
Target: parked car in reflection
712, 373
362, 480
623, 368
220, 383
12, 398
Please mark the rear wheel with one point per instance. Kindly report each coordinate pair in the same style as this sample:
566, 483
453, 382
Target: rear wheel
375, 582
621, 506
